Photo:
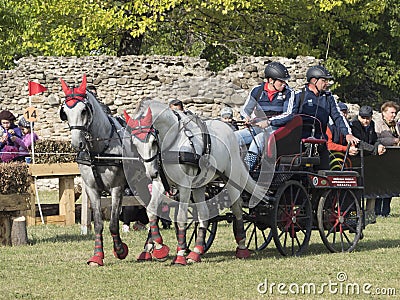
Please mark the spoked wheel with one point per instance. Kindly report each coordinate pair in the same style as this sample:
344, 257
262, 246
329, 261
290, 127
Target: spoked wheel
258, 233
292, 222
339, 220
192, 231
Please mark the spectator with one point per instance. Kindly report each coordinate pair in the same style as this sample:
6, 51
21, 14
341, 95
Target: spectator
336, 140
269, 105
364, 129
317, 105
388, 133
8, 130
24, 143
93, 90
227, 117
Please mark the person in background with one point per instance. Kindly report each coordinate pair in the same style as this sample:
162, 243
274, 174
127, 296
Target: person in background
316, 105
336, 140
93, 90
227, 117
388, 133
24, 143
364, 129
270, 105
175, 104
8, 129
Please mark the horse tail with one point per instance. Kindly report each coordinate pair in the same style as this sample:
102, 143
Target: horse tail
257, 191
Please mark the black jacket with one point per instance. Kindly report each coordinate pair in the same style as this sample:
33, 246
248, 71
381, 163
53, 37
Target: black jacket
368, 137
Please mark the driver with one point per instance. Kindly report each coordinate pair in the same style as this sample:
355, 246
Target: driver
269, 105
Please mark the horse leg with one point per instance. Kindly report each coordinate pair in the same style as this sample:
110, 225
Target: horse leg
238, 230
154, 246
120, 249
180, 227
203, 216
94, 197
238, 225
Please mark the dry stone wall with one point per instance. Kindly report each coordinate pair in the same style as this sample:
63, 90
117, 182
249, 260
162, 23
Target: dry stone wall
123, 81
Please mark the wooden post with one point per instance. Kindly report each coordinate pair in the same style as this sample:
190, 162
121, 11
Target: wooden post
19, 235
86, 215
5, 229
67, 199
31, 213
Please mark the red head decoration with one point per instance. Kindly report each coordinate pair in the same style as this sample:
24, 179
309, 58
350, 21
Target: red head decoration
140, 127
73, 95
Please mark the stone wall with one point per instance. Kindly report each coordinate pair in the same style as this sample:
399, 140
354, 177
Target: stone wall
122, 81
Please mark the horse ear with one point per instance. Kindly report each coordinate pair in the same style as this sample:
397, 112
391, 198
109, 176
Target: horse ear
65, 87
148, 119
128, 119
82, 88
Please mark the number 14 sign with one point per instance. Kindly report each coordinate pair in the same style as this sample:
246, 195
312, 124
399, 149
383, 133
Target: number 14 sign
30, 114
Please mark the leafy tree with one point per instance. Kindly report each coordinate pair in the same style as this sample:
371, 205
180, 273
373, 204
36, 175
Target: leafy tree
359, 39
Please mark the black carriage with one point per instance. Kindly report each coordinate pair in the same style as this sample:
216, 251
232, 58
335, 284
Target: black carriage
299, 200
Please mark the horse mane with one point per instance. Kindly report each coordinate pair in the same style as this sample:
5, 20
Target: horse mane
143, 104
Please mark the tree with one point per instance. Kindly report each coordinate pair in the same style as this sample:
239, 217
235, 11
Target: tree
358, 39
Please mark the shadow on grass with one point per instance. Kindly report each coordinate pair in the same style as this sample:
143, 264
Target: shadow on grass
313, 249
61, 238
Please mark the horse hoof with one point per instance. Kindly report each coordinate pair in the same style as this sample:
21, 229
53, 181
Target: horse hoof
144, 256
124, 252
242, 253
179, 260
161, 253
193, 257
95, 261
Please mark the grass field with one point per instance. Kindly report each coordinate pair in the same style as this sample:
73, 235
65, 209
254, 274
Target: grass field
54, 266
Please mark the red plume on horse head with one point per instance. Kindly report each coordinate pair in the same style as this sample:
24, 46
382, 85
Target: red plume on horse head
140, 127
73, 95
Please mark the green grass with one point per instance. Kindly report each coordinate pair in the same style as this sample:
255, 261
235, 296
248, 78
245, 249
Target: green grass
54, 266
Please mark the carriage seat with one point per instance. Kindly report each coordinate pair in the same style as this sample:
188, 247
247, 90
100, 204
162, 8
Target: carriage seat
286, 138
289, 144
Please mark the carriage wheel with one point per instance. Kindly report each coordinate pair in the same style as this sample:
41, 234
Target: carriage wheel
258, 235
292, 222
339, 220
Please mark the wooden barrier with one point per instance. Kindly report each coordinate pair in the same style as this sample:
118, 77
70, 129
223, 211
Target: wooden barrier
12, 225
65, 172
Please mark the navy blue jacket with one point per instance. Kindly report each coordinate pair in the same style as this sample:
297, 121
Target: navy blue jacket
316, 110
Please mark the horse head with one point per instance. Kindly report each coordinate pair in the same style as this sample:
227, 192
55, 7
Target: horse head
77, 111
145, 140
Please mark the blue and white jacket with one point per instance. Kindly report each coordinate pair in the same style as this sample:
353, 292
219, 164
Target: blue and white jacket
280, 109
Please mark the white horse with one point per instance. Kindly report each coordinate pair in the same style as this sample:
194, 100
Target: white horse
94, 134
179, 152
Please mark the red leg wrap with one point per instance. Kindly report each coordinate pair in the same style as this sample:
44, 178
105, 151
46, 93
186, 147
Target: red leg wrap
144, 256
193, 257
161, 253
179, 260
122, 254
242, 253
96, 259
